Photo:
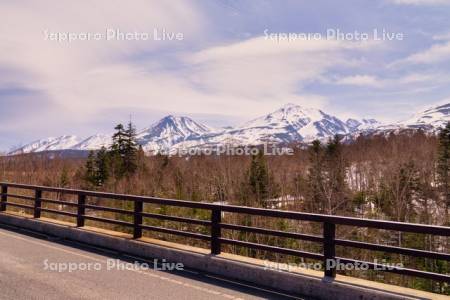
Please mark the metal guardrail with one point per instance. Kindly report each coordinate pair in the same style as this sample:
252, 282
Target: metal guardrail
328, 240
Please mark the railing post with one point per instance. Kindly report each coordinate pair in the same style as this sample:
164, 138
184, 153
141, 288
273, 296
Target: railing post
4, 197
329, 249
37, 203
138, 208
216, 216
81, 210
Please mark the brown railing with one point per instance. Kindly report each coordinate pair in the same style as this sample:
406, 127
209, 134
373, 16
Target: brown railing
328, 240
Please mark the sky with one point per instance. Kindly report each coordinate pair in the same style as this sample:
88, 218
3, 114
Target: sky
222, 62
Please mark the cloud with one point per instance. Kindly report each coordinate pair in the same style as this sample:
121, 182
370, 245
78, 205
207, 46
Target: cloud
68, 72
435, 54
360, 80
86, 78
420, 78
260, 68
409, 83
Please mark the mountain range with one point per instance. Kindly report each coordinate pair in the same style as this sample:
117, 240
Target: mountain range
289, 124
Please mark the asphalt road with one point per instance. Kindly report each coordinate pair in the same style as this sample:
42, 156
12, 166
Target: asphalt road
34, 266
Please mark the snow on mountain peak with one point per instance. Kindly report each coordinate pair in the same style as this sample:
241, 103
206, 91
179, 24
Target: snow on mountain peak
292, 123
431, 118
289, 113
363, 124
353, 123
94, 142
183, 126
292, 112
49, 144
169, 131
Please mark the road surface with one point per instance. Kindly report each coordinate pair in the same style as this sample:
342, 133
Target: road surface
34, 266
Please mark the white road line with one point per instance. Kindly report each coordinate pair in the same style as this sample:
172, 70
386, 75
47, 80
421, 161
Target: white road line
192, 286
253, 287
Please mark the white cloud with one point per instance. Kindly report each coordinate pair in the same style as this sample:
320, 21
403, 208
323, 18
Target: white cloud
83, 78
418, 78
360, 80
434, 54
409, 83
258, 68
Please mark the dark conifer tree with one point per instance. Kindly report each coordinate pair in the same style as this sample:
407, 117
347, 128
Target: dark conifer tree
130, 150
119, 140
102, 162
90, 171
443, 166
117, 151
259, 178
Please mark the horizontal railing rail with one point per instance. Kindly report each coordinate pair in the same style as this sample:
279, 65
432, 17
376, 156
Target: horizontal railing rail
328, 240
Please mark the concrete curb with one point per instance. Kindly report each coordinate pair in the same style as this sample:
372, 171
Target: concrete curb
240, 270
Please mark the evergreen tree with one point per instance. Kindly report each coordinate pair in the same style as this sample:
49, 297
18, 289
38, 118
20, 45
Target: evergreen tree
443, 165
259, 178
97, 167
123, 153
90, 170
117, 152
102, 166
443, 170
119, 140
130, 150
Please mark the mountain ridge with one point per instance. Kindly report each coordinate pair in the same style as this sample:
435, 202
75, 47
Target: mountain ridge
289, 124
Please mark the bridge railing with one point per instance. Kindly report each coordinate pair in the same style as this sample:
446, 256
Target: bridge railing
328, 239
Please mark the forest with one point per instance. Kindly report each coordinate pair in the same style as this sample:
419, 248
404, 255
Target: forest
399, 176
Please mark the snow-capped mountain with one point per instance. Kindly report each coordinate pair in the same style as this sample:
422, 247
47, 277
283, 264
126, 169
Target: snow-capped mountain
430, 119
94, 142
290, 123
293, 122
49, 144
364, 124
169, 131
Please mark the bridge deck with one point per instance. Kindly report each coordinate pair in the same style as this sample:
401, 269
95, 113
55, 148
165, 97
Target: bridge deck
23, 275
